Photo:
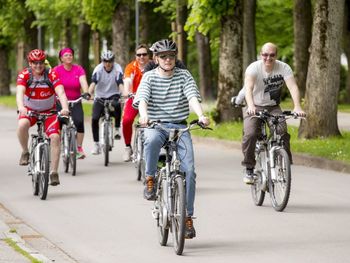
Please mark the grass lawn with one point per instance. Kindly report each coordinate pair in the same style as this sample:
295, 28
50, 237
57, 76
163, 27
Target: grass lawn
330, 148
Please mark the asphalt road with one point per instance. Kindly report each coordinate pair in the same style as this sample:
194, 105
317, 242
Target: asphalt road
100, 216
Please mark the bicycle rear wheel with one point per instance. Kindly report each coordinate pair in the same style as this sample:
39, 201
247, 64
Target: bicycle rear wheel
65, 148
106, 142
258, 194
178, 220
280, 186
43, 175
73, 151
162, 221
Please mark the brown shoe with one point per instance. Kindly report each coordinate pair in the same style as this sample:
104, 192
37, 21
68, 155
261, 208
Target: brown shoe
24, 160
190, 232
54, 179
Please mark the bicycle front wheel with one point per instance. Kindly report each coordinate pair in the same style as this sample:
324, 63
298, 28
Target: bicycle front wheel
65, 148
106, 142
179, 215
73, 151
279, 187
258, 194
162, 218
43, 175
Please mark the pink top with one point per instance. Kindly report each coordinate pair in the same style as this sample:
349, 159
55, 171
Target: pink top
70, 80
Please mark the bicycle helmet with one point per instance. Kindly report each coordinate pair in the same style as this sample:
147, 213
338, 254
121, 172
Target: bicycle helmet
36, 55
107, 55
164, 45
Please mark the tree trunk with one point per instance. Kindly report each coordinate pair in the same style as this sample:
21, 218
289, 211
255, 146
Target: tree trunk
302, 40
346, 46
30, 36
120, 26
181, 17
5, 71
249, 35
84, 44
322, 85
145, 10
96, 47
230, 65
205, 69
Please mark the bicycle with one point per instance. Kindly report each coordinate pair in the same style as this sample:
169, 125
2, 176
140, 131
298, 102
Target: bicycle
39, 157
69, 141
272, 171
138, 157
106, 128
170, 204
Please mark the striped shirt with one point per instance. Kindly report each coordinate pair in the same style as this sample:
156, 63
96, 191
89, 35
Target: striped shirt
167, 97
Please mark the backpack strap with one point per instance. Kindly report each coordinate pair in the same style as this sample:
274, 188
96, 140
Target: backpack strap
46, 80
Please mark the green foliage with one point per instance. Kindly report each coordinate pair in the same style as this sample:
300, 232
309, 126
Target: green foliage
167, 7
206, 14
274, 23
99, 13
12, 15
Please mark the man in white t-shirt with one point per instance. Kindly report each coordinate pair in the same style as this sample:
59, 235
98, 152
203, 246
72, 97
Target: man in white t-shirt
263, 84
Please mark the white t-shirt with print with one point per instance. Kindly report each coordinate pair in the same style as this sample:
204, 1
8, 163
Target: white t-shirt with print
268, 86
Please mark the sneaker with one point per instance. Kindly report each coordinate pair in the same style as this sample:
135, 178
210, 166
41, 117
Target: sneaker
149, 192
127, 154
190, 232
80, 153
249, 176
117, 134
97, 148
24, 160
54, 179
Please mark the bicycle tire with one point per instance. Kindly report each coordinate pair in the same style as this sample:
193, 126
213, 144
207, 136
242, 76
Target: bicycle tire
35, 183
162, 221
178, 220
73, 151
258, 194
280, 188
43, 175
106, 143
65, 148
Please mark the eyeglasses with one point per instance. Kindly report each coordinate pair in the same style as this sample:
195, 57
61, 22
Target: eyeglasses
265, 55
169, 56
142, 54
38, 62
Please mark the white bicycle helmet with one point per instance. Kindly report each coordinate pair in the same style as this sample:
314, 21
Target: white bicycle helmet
164, 45
107, 55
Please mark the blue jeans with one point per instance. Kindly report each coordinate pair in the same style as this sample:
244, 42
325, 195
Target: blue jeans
154, 140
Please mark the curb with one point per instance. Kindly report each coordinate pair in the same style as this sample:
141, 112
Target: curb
29, 240
298, 158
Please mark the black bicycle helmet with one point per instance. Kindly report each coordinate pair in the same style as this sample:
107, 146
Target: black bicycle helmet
164, 45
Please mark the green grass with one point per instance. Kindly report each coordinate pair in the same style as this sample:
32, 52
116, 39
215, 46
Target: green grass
330, 148
14, 245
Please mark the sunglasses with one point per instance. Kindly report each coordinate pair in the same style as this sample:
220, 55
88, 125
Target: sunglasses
169, 56
108, 61
265, 55
142, 54
38, 62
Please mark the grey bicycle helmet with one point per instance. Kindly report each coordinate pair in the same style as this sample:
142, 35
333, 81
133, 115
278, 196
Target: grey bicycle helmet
107, 55
164, 45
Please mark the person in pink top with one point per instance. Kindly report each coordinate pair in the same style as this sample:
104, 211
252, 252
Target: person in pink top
73, 78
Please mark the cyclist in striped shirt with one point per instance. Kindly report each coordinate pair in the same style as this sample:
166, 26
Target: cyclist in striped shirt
165, 94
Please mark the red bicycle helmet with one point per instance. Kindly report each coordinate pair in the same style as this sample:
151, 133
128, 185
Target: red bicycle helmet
36, 55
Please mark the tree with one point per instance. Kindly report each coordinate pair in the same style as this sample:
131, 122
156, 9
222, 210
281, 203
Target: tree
204, 16
322, 85
181, 17
120, 27
346, 46
249, 38
302, 38
205, 69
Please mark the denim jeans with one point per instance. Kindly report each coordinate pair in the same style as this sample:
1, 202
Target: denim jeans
154, 140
